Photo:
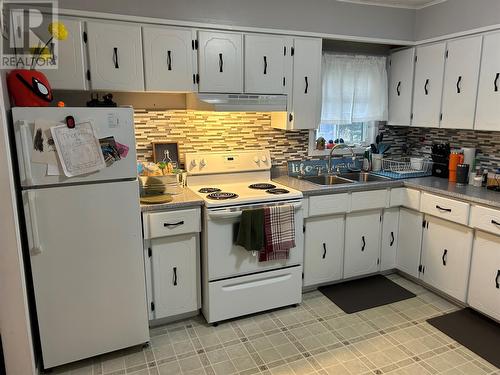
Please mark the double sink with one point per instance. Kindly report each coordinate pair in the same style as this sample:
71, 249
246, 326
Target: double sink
343, 178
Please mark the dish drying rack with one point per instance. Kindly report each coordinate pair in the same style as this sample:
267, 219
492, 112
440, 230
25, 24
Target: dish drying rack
403, 168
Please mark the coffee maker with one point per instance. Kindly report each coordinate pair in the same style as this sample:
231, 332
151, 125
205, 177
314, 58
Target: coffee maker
440, 153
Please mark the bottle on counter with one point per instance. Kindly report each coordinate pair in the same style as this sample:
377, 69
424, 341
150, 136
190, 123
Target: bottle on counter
485, 178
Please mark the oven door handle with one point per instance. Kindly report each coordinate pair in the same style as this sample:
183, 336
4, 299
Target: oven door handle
235, 214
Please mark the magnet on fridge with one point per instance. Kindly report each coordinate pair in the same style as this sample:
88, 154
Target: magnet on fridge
70, 122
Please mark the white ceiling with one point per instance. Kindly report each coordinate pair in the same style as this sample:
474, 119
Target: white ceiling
411, 4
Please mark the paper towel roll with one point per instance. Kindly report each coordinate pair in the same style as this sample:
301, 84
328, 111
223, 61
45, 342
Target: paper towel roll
469, 158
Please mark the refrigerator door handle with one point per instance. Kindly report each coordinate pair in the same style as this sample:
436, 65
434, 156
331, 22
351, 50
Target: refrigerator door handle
25, 148
37, 246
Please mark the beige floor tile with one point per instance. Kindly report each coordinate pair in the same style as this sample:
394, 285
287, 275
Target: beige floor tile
243, 363
356, 367
171, 368
282, 370
301, 367
287, 350
224, 368
269, 355
217, 356
337, 369
190, 363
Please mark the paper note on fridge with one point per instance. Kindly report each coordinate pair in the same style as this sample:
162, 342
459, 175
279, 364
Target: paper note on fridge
44, 150
78, 149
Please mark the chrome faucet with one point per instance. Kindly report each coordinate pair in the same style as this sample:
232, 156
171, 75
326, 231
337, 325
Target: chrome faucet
339, 146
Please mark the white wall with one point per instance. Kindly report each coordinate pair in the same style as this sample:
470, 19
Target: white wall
14, 315
454, 16
322, 16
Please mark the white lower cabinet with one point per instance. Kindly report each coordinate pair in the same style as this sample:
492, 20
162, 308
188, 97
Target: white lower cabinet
390, 224
362, 243
324, 249
484, 285
410, 241
174, 275
172, 263
446, 254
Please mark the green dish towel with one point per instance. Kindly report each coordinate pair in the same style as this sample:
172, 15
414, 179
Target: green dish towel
251, 230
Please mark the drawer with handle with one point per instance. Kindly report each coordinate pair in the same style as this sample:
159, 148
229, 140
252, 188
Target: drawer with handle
486, 219
448, 209
171, 223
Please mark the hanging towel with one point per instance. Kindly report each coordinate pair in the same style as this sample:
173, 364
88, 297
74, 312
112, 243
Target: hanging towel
279, 232
251, 230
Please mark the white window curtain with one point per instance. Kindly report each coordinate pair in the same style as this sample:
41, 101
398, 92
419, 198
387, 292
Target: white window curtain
354, 89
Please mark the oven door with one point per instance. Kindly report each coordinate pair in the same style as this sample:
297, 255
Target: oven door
225, 259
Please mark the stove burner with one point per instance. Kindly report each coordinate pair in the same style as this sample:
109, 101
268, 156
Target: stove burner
207, 190
222, 195
277, 191
262, 186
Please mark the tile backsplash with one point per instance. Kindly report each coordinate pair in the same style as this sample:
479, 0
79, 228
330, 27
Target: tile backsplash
198, 131
487, 143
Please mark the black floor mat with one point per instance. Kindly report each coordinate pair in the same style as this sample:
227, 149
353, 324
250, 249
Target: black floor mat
362, 294
474, 331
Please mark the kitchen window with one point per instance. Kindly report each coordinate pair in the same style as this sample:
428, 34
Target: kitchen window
354, 100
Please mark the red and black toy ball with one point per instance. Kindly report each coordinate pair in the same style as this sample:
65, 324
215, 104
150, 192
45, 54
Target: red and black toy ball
28, 88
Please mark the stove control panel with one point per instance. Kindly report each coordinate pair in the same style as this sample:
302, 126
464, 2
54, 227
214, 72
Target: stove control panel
220, 162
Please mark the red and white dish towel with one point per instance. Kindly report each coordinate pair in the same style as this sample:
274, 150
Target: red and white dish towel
279, 232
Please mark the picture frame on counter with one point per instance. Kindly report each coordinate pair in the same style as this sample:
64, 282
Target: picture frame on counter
166, 152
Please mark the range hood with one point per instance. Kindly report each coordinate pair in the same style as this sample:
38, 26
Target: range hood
238, 102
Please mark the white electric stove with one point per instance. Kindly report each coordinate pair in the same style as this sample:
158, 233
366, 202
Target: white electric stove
234, 282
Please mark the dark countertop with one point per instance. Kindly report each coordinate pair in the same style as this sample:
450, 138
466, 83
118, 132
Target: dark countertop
441, 186
186, 199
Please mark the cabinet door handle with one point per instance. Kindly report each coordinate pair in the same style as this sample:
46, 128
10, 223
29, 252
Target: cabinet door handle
425, 86
497, 278
221, 63
307, 85
364, 243
169, 60
458, 84
444, 257
324, 250
495, 222
398, 88
443, 209
392, 239
168, 225
115, 57
175, 276
495, 83
265, 64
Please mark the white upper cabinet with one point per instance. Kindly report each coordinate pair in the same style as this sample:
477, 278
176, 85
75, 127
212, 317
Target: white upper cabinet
169, 59
220, 60
115, 56
488, 99
460, 83
306, 92
70, 73
266, 60
428, 87
401, 69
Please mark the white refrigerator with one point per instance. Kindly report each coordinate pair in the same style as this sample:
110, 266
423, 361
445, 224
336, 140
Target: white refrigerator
85, 242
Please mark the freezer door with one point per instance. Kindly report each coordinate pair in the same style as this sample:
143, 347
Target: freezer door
88, 269
116, 122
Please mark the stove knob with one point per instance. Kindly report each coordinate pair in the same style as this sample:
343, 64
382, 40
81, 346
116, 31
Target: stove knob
193, 163
256, 159
264, 159
202, 163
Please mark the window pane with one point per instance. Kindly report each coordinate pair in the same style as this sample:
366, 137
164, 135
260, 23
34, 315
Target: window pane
352, 133
327, 131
